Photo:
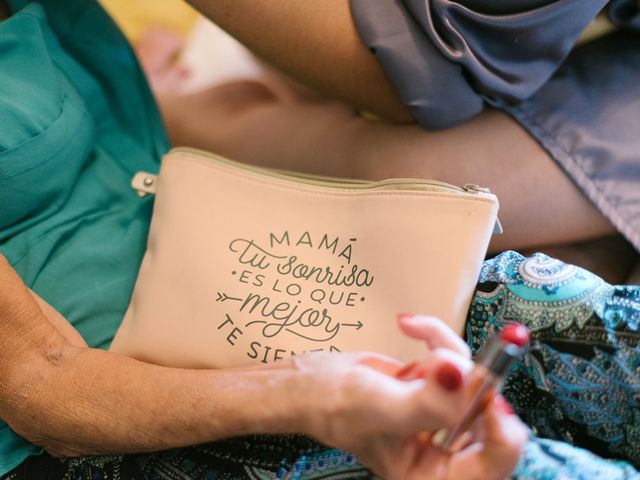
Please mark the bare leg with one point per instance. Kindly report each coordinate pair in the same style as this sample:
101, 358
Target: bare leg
541, 209
539, 204
248, 122
275, 123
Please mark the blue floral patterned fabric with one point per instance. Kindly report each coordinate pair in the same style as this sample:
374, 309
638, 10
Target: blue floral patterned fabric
579, 383
577, 387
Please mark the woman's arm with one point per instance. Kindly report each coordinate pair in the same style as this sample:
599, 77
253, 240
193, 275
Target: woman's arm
314, 41
74, 400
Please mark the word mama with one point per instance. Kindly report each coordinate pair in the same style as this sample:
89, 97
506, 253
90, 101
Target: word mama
305, 239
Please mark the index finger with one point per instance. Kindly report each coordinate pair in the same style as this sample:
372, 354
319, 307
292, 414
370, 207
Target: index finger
434, 332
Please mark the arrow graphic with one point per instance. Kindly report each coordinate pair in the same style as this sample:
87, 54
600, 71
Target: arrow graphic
223, 297
358, 325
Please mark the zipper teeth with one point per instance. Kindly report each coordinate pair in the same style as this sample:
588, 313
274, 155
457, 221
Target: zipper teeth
323, 181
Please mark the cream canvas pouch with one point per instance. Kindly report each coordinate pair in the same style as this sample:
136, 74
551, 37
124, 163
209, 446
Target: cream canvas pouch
246, 264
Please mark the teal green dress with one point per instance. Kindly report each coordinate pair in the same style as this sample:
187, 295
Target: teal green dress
76, 121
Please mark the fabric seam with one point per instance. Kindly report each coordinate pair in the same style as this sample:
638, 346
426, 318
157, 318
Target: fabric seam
565, 160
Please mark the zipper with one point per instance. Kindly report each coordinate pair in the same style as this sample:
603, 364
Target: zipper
145, 183
336, 182
473, 188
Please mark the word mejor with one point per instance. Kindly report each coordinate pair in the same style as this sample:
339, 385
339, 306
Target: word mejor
250, 253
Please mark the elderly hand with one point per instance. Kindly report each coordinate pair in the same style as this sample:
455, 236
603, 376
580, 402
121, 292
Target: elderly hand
350, 401
356, 402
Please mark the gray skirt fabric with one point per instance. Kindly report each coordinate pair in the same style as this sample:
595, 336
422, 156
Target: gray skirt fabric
588, 118
449, 60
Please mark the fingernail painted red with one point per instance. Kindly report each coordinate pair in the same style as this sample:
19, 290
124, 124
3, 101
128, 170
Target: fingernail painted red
503, 405
449, 377
406, 316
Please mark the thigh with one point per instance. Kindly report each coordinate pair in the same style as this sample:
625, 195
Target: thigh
539, 204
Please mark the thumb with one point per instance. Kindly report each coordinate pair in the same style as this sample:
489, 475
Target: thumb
503, 438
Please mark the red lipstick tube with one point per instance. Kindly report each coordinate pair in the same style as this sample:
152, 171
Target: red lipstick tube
486, 378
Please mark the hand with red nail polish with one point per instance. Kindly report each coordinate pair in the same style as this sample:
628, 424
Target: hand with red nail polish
442, 372
386, 413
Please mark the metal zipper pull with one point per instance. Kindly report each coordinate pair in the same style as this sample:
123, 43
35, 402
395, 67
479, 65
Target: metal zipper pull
473, 188
144, 183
